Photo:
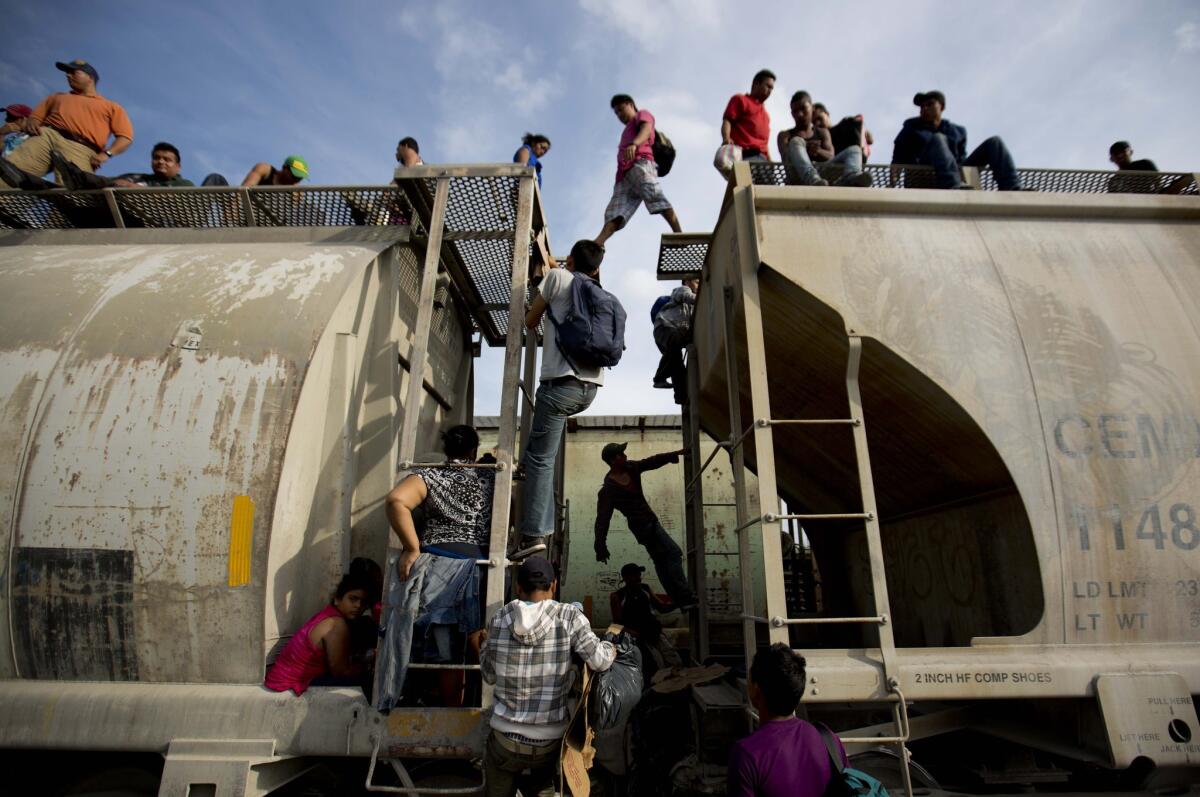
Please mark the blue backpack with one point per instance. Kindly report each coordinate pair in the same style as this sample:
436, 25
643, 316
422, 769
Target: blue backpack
846, 781
659, 303
592, 335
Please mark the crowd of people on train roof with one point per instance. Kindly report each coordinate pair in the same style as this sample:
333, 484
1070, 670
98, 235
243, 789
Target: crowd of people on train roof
431, 610
77, 132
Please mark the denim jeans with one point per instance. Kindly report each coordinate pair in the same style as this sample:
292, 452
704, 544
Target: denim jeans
671, 342
553, 404
801, 169
991, 153
504, 770
668, 562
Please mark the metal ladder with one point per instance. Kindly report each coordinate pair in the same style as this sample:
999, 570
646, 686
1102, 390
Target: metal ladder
744, 288
506, 444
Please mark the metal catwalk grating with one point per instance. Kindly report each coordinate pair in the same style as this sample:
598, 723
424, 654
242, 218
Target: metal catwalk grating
480, 225
681, 257
1050, 180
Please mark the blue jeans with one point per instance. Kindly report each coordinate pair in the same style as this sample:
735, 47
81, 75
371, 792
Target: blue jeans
801, 169
553, 404
991, 153
668, 562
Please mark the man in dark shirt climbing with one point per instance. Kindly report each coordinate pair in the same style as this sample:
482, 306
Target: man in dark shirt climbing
622, 490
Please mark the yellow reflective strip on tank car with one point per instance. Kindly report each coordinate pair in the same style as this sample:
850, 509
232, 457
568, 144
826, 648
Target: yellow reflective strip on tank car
241, 536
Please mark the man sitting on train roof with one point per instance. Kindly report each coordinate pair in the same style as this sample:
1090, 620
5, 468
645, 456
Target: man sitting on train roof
935, 141
164, 172
1121, 155
78, 124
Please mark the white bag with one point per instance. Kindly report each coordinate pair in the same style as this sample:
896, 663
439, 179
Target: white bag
727, 155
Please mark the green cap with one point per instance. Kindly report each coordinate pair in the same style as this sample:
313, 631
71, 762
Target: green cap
297, 166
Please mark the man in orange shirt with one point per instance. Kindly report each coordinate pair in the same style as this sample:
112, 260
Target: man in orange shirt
77, 124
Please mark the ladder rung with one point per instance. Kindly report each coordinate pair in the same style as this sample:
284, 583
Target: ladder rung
814, 422
873, 739
833, 516
779, 622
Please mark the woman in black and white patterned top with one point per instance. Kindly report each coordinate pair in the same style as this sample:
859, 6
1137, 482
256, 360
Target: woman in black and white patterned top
457, 504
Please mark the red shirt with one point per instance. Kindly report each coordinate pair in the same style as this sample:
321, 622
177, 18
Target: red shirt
750, 125
645, 151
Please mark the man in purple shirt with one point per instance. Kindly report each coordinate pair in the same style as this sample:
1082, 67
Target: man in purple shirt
785, 757
637, 173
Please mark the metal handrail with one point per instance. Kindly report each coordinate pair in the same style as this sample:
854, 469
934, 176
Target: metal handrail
411, 788
779, 622
770, 518
409, 465
721, 444
809, 421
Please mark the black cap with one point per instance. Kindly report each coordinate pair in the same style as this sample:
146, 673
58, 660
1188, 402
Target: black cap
630, 569
922, 96
71, 66
1119, 146
536, 572
611, 451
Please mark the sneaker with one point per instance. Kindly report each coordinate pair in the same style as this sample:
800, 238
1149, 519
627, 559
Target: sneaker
528, 547
74, 178
818, 181
19, 178
857, 180
662, 384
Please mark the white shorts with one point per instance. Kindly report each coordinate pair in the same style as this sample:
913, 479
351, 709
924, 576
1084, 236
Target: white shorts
640, 184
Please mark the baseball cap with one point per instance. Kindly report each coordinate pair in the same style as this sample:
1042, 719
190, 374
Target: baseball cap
78, 63
611, 451
536, 572
297, 166
18, 110
922, 96
631, 568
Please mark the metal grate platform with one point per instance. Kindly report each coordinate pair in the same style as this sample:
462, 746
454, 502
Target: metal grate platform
1053, 180
204, 208
682, 254
479, 234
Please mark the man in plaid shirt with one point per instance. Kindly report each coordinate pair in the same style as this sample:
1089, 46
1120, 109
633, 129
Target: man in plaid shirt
527, 656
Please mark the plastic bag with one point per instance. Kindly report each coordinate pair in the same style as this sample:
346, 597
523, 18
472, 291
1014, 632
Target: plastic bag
727, 155
619, 688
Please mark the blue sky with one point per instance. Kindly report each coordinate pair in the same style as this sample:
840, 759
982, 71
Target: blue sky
234, 83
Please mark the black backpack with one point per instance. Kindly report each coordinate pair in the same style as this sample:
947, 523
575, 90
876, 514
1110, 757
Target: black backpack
664, 153
592, 335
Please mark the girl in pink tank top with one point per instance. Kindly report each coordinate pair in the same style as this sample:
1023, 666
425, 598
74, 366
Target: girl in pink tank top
322, 645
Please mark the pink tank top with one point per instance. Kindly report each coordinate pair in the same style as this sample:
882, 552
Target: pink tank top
300, 661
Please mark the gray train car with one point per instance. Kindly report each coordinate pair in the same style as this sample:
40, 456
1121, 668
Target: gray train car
984, 411
202, 408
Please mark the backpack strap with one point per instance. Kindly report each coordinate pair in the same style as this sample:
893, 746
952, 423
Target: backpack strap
557, 335
828, 738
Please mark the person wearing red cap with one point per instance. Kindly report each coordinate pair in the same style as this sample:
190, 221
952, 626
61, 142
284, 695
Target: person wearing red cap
79, 124
11, 130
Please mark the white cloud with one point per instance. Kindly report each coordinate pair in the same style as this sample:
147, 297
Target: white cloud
651, 24
1187, 38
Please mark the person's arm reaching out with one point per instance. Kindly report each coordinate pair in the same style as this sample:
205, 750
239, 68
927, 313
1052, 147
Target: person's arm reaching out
659, 460
595, 653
